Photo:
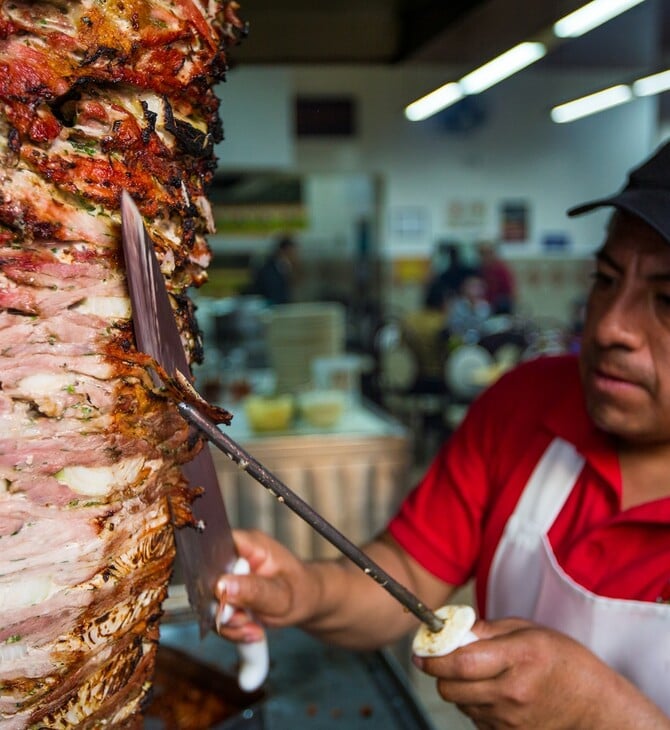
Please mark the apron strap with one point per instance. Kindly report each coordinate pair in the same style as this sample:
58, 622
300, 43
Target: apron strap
549, 487
515, 573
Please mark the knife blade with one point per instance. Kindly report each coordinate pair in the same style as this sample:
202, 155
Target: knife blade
208, 552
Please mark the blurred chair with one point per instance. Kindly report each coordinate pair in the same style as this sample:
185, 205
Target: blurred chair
507, 346
404, 391
396, 361
467, 371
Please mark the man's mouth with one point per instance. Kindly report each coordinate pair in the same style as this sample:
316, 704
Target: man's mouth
615, 381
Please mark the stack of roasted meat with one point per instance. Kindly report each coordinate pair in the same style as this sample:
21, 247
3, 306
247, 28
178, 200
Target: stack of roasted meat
95, 96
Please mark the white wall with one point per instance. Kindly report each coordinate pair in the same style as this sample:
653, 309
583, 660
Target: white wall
256, 108
516, 153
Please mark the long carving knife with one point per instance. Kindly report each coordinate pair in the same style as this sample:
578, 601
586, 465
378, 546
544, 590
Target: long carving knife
142, 256
209, 551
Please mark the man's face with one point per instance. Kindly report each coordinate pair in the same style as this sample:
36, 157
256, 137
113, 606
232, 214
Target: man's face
625, 360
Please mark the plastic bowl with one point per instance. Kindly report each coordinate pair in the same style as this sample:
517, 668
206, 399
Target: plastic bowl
269, 413
322, 408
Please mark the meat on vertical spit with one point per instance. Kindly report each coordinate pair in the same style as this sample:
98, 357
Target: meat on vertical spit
95, 96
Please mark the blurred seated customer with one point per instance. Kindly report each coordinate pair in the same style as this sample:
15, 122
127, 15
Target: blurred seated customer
469, 310
498, 280
274, 279
424, 329
450, 271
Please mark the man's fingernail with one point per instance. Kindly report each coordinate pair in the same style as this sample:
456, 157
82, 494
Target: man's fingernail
224, 615
417, 661
232, 587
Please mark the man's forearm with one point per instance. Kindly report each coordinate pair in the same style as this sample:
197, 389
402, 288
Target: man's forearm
353, 610
624, 706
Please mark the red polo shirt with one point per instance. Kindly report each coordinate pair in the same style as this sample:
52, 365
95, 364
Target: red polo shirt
453, 520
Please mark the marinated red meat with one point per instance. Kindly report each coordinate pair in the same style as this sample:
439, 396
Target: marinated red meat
95, 97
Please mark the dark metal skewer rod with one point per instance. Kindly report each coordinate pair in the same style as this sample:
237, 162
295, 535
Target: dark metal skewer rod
285, 495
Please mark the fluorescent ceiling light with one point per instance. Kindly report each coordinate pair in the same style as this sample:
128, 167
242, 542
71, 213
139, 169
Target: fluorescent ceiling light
434, 102
500, 68
479, 80
591, 16
654, 84
591, 104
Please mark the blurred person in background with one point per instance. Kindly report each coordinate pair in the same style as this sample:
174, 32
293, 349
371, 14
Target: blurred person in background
275, 278
498, 279
449, 273
468, 312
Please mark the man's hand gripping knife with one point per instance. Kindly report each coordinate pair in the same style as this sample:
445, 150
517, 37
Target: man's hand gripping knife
253, 654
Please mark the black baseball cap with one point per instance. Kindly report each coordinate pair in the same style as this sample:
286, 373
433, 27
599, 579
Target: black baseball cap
646, 193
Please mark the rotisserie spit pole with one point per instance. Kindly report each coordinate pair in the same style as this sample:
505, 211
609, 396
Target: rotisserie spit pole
286, 496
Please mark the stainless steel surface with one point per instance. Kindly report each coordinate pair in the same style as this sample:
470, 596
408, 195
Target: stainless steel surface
206, 553
311, 685
281, 492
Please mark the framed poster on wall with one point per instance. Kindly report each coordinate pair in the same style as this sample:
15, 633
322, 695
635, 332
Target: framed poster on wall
258, 204
514, 221
409, 222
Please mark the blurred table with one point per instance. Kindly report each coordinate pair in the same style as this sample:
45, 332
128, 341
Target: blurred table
354, 474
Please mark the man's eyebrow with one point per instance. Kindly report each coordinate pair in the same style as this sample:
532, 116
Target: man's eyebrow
603, 257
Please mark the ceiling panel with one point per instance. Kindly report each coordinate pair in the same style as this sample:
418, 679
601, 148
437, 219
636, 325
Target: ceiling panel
459, 32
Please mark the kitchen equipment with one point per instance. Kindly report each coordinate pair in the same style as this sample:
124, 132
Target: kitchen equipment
189, 694
297, 334
341, 372
210, 551
354, 472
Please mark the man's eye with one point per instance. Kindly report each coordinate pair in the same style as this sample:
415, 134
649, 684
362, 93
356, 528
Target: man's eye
663, 298
600, 278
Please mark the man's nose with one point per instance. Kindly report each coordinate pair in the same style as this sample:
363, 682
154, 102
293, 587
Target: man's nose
621, 322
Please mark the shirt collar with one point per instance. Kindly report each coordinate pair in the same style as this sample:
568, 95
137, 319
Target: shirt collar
570, 421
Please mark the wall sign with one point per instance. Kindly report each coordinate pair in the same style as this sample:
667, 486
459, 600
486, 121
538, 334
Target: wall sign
466, 214
514, 221
409, 222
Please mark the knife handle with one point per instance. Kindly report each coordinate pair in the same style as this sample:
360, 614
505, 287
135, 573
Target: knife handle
254, 657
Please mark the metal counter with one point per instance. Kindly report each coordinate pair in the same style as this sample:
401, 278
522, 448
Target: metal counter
311, 686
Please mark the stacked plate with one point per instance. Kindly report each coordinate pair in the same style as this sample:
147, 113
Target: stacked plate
297, 334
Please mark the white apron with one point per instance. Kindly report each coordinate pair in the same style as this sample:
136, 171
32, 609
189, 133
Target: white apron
526, 581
